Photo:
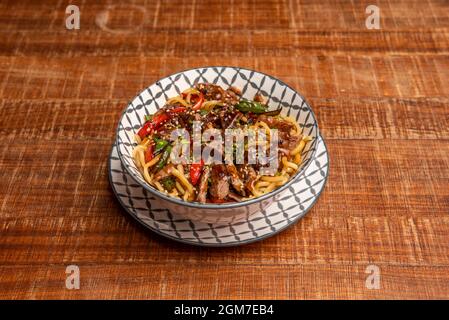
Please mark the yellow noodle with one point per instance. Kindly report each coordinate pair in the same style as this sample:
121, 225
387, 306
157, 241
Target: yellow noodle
280, 183
298, 148
209, 105
287, 163
286, 171
139, 154
183, 180
191, 91
295, 123
262, 124
179, 187
148, 165
297, 158
139, 158
159, 186
136, 159
272, 179
153, 161
147, 176
256, 192
178, 99
262, 184
270, 188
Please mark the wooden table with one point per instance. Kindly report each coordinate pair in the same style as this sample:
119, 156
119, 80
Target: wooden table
381, 97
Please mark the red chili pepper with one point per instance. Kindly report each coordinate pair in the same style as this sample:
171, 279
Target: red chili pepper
145, 130
152, 124
149, 153
178, 109
199, 103
195, 172
159, 119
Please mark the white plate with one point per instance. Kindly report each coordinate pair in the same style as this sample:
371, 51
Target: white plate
293, 204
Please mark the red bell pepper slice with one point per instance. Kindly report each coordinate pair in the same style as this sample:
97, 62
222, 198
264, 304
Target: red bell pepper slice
178, 109
195, 171
153, 124
149, 153
199, 103
159, 119
145, 130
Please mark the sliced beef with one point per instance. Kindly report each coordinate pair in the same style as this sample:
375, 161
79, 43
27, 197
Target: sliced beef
251, 178
259, 98
277, 123
248, 175
210, 91
231, 97
228, 118
164, 172
220, 182
204, 181
235, 197
237, 183
287, 141
235, 90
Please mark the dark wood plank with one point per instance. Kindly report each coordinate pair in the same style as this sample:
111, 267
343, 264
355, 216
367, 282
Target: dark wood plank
210, 281
313, 76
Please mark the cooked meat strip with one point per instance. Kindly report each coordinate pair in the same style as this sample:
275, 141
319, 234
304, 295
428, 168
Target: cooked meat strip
219, 185
164, 172
210, 91
227, 118
235, 179
238, 115
237, 91
204, 181
235, 197
287, 141
251, 178
230, 97
277, 123
259, 98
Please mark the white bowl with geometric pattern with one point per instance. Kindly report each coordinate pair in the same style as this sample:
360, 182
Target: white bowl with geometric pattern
277, 93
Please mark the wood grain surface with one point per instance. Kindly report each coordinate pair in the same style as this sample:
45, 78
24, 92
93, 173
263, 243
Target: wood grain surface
382, 102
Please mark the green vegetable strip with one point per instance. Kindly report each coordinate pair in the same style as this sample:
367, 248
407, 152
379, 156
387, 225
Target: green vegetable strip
164, 159
251, 106
160, 144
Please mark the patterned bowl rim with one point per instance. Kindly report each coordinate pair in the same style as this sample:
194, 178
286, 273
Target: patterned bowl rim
198, 205
218, 245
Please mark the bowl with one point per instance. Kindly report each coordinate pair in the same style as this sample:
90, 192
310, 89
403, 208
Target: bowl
277, 93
